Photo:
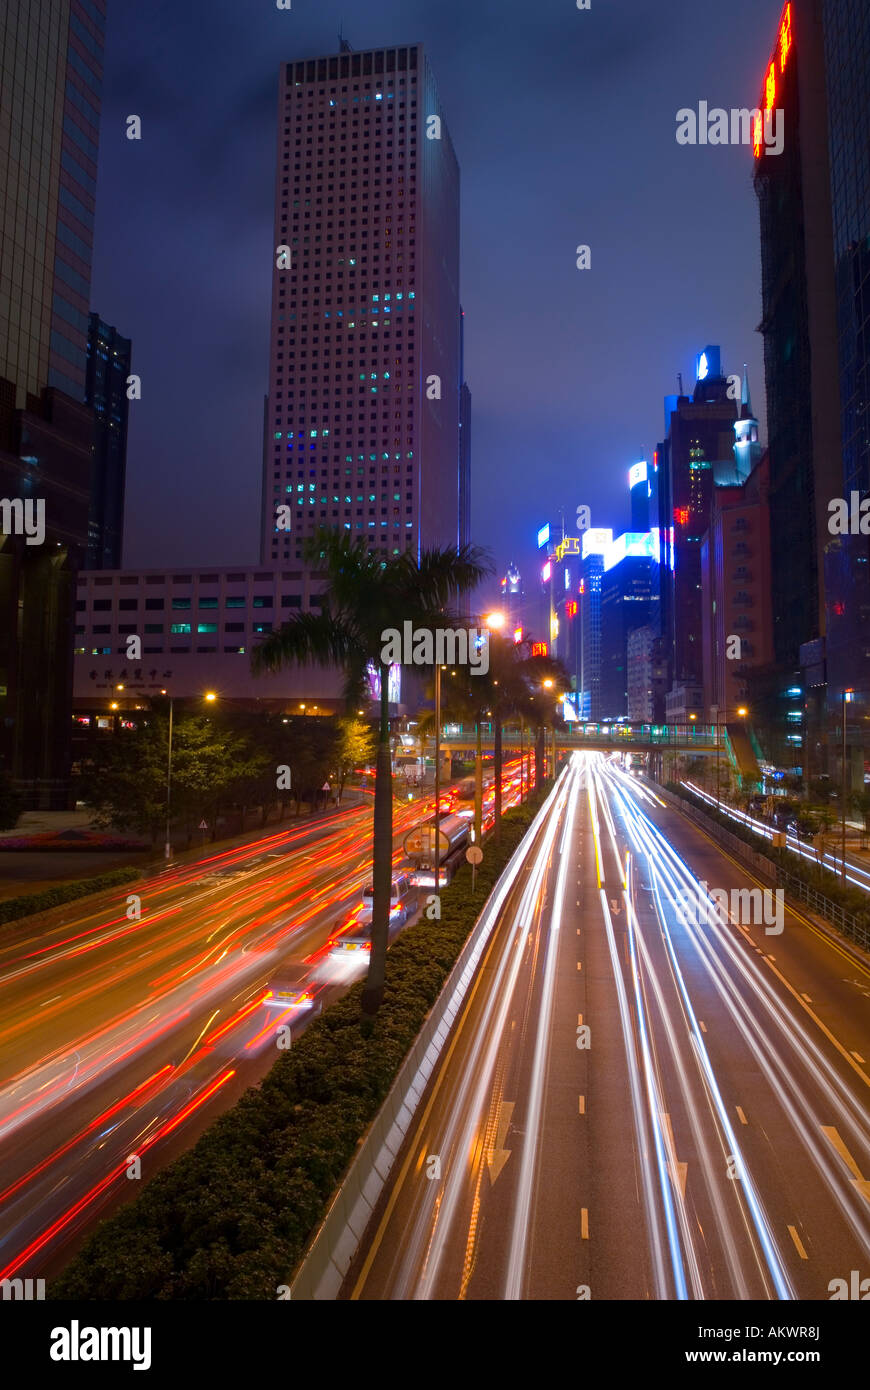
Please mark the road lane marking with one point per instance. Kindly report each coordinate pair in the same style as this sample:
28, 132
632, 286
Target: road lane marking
858, 1180
807, 998
857, 1056
582, 1105
702, 1026
676, 1169
584, 1223
743, 1119
798, 1243
579, 965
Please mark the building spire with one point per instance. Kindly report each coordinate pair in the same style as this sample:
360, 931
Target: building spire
745, 398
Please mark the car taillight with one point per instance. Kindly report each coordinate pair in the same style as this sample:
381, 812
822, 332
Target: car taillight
368, 945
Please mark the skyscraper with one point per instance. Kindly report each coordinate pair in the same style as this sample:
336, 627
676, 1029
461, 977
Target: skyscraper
847, 561
363, 414
49, 121
799, 328
106, 392
699, 442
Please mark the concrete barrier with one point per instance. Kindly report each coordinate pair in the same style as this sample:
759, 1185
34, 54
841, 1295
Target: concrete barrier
332, 1249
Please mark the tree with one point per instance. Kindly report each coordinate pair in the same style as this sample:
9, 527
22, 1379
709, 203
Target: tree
355, 747
367, 598
125, 781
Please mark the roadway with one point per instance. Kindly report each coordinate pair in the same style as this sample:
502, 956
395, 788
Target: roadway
706, 1138
127, 1035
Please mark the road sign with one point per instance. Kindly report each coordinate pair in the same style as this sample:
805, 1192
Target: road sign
325, 787
203, 825
474, 854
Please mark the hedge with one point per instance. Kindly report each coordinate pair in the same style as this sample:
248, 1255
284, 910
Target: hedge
230, 1219
825, 881
14, 908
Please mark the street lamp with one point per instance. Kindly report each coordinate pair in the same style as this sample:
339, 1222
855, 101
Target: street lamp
848, 696
210, 696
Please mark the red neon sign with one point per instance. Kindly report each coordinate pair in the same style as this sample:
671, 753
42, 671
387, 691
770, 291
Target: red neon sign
571, 608
784, 42
539, 649
785, 38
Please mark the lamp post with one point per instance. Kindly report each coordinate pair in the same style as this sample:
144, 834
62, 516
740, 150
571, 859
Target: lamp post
847, 699
437, 777
210, 696
548, 685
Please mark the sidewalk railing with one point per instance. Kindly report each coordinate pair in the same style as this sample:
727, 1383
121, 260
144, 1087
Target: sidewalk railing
793, 886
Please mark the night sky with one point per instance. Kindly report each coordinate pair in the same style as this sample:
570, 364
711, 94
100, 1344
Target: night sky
564, 126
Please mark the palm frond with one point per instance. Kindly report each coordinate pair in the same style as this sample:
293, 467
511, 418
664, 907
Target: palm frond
306, 639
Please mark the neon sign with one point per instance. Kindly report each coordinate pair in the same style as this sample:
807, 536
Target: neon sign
571, 608
784, 42
539, 649
637, 473
569, 546
785, 38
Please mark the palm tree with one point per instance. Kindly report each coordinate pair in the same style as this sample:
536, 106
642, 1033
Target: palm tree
366, 596
547, 681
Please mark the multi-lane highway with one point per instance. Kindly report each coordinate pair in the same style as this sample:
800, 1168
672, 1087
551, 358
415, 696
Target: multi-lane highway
654, 1091
128, 1025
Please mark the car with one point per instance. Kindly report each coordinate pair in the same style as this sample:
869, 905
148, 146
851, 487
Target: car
356, 938
400, 890
291, 988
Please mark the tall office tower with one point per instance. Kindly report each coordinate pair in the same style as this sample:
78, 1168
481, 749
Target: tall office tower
512, 600
639, 492
464, 526
106, 392
49, 119
847, 567
699, 441
799, 328
593, 545
364, 392
626, 593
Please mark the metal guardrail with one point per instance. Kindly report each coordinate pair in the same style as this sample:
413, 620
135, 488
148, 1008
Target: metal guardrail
845, 921
838, 916
330, 1253
752, 858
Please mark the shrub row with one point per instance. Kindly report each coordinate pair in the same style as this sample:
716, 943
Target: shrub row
61, 893
230, 1219
822, 880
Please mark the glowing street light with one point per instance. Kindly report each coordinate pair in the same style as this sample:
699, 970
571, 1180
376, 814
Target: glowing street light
494, 621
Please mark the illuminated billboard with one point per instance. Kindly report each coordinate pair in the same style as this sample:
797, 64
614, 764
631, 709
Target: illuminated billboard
596, 540
632, 545
544, 536
637, 474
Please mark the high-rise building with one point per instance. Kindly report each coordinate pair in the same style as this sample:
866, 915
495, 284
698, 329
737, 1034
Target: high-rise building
464, 518
799, 328
106, 392
736, 581
594, 544
847, 561
698, 443
49, 124
626, 593
363, 415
